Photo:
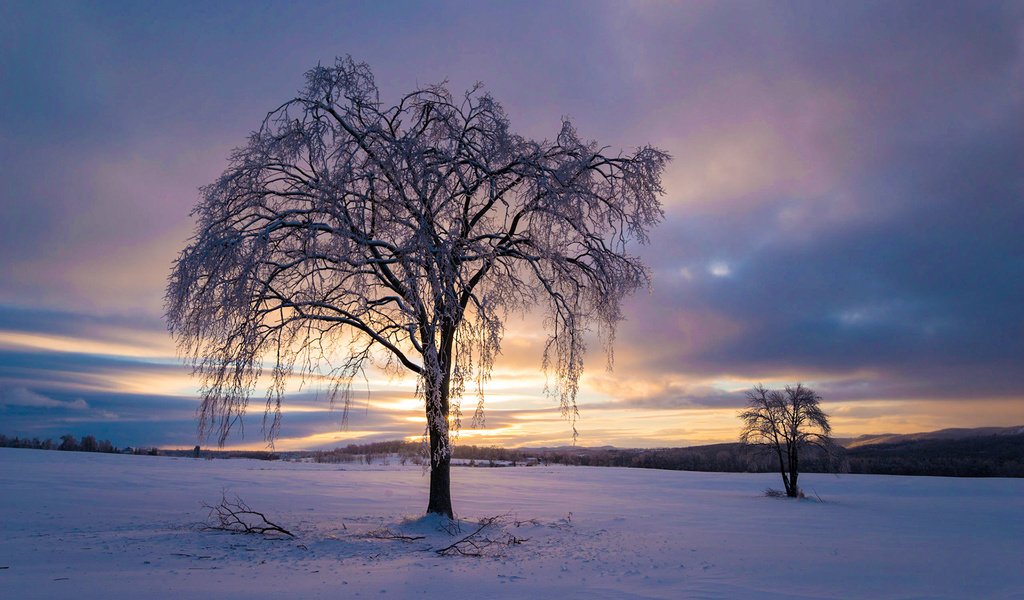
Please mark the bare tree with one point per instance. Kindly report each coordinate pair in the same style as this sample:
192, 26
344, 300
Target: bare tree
347, 233
786, 422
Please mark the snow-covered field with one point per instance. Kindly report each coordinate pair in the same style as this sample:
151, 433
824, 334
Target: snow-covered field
110, 526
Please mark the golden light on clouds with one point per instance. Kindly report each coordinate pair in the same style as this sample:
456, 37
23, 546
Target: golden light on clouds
143, 382
319, 440
62, 343
636, 405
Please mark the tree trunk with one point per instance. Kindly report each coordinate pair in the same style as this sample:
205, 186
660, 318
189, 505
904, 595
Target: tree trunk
440, 501
782, 470
793, 490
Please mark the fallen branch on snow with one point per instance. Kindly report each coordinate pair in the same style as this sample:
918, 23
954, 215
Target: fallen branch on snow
385, 533
475, 543
237, 517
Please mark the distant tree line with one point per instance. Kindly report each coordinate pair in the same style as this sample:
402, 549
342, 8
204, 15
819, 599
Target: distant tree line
375, 452
69, 443
722, 458
993, 456
493, 453
197, 452
986, 456
414, 452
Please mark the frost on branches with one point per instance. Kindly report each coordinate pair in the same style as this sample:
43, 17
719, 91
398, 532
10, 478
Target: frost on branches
348, 233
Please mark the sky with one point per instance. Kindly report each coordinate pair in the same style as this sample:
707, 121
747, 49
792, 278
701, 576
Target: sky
844, 206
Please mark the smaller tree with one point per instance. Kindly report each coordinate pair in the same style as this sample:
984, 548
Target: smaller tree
786, 422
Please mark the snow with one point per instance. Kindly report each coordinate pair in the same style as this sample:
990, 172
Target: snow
114, 526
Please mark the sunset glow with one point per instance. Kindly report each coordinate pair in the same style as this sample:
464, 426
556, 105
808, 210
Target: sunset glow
842, 209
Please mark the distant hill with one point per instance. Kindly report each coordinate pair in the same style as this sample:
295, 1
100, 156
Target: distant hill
942, 434
979, 452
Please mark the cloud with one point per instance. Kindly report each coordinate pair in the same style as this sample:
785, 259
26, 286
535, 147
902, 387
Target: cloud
24, 397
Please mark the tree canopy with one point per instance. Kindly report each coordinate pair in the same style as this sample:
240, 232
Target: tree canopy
347, 233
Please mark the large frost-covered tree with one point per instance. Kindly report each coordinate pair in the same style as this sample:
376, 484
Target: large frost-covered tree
348, 233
